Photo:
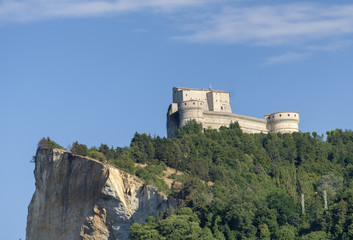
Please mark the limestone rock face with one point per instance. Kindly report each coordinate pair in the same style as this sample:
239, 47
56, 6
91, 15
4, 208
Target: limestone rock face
80, 198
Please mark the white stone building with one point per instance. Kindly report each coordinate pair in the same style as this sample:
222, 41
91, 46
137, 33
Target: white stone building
212, 109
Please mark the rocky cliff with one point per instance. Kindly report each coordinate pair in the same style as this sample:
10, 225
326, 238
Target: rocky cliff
80, 198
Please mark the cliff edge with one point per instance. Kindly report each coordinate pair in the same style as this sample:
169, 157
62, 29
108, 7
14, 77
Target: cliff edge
79, 198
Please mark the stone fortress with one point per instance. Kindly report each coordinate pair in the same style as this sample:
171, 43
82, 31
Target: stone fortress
212, 109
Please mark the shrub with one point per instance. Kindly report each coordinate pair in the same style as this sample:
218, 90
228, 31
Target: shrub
48, 143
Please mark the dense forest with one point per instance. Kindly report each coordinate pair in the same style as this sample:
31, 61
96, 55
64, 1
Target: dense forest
241, 186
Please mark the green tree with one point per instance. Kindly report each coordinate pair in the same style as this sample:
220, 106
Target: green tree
287, 212
184, 225
140, 232
79, 149
97, 155
142, 148
125, 162
287, 232
264, 232
191, 127
48, 143
317, 235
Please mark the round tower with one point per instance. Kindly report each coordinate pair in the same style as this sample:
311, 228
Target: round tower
190, 109
282, 122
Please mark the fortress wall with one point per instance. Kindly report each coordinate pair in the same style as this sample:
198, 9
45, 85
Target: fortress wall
194, 95
172, 120
289, 126
212, 109
224, 99
213, 98
283, 122
177, 95
181, 95
215, 120
192, 109
210, 101
251, 124
173, 108
219, 101
282, 115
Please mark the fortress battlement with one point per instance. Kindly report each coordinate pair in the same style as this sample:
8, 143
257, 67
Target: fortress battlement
212, 109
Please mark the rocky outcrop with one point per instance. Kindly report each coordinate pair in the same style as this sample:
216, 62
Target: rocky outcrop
79, 198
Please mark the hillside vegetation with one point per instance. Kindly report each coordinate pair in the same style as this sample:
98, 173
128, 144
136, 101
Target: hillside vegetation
243, 186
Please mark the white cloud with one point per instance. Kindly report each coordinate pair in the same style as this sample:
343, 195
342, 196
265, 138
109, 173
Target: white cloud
306, 27
285, 58
29, 10
273, 25
333, 46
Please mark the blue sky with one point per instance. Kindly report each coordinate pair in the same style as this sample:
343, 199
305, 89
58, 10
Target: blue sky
98, 71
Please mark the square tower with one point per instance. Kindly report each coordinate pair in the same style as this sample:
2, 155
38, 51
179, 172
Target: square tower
219, 101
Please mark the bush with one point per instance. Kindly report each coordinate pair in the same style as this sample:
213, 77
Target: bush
191, 127
79, 149
125, 163
183, 224
97, 155
48, 143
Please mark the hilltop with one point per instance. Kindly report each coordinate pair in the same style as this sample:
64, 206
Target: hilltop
235, 185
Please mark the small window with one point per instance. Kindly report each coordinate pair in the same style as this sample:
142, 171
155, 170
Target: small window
194, 103
288, 115
295, 115
185, 103
200, 103
280, 115
222, 108
185, 94
268, 117
273, 116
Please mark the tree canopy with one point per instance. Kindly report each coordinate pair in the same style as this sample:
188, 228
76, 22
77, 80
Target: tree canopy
243, 186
